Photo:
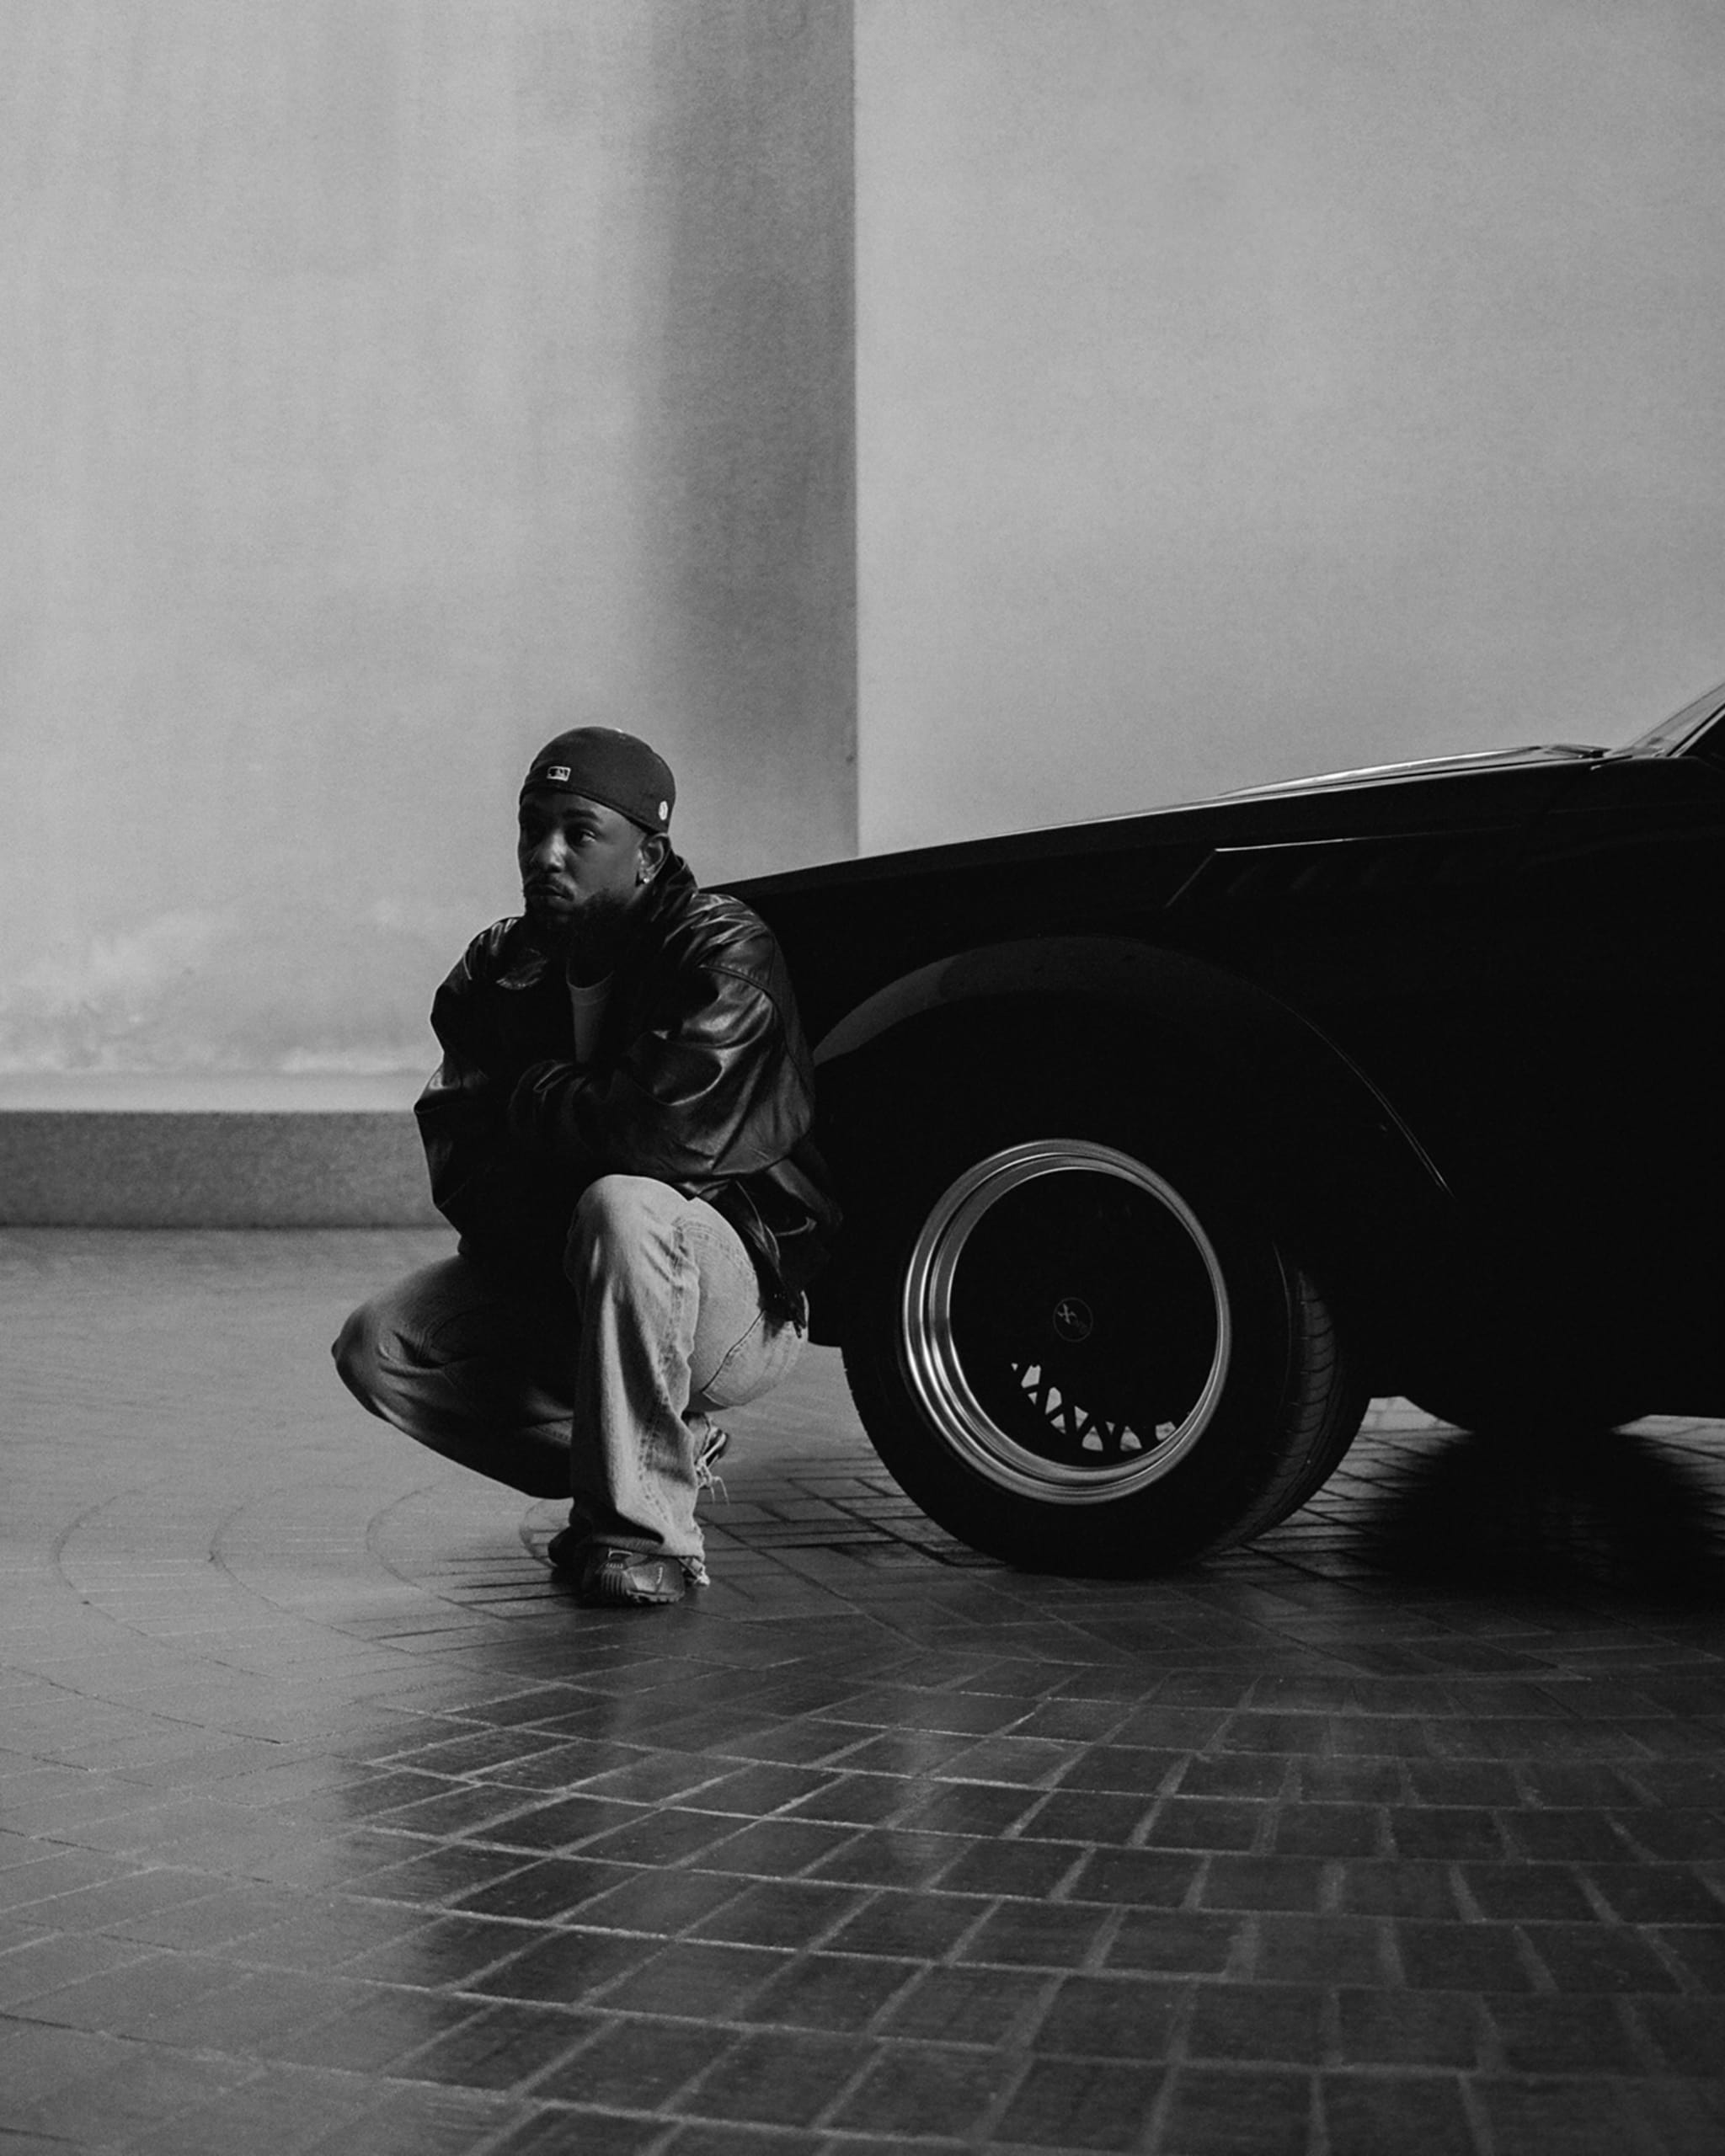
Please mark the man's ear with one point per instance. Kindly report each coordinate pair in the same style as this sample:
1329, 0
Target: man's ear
655, 851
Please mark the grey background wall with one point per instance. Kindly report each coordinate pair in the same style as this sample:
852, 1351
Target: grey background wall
385, 384
1248, 388
1240, 388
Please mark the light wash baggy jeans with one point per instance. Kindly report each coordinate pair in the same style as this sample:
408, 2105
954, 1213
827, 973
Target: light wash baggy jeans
599, 1389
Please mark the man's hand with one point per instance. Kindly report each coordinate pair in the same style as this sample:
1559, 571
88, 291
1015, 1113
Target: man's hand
533, 1099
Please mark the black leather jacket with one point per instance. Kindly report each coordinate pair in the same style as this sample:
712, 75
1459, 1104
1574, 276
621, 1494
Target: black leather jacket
701, 1078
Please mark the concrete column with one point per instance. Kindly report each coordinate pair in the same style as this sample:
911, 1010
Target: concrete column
382, 387
385, 385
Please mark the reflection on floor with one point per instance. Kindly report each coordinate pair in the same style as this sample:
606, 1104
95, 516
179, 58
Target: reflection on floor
327, 1821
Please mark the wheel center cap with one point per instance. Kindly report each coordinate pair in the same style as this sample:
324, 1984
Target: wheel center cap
1073, 1318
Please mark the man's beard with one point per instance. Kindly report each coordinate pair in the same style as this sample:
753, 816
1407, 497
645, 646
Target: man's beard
587, 940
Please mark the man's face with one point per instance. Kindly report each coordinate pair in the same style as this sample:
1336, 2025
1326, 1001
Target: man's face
582, 867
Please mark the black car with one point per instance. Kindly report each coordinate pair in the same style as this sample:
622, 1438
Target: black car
1165, 1141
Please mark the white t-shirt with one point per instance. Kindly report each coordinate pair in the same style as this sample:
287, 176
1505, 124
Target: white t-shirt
587, 1006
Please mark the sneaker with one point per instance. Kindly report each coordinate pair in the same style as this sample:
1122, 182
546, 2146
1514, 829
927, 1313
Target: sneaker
625, 1579
568, 1552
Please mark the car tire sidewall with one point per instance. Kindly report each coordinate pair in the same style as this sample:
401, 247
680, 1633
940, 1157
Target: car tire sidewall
1220, 1481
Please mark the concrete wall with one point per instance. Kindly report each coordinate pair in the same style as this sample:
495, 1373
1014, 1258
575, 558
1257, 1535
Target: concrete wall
1241, 387
1247, 388
385, 384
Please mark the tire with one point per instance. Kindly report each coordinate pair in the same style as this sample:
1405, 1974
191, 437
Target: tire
1089, 1355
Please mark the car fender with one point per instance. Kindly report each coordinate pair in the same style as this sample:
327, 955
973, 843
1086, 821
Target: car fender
1334, 1158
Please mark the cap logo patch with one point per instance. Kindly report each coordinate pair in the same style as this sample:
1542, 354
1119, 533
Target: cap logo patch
557, 770
663, 810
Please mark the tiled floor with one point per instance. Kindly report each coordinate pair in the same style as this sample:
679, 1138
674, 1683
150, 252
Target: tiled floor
327, 1821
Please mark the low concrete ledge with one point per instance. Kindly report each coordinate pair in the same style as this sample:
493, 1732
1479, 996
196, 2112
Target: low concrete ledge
101, 1149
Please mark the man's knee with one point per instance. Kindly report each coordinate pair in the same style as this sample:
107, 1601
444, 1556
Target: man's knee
355, 1353
618, 1218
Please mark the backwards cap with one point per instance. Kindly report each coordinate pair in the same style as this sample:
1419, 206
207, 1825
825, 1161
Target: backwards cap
610, 767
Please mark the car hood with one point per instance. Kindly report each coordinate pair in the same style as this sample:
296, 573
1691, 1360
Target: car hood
1483, 759
1500, 783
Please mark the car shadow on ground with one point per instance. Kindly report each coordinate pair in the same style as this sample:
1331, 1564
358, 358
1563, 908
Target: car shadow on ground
1557, 1507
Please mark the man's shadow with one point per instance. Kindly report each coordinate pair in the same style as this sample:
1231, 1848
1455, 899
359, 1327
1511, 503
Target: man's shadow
1562, 1509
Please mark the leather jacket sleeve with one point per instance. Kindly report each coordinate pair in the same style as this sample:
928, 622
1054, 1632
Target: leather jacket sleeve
482, 1182
702, 1080
707, 1089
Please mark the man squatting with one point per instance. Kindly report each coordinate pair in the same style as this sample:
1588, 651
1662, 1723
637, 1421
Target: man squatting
619, 1131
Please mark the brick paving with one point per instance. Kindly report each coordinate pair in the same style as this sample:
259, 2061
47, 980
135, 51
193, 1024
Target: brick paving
328, 1821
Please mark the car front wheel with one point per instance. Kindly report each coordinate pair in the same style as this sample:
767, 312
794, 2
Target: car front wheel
1092, 1357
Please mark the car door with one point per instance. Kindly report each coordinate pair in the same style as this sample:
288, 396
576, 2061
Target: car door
1613, 1160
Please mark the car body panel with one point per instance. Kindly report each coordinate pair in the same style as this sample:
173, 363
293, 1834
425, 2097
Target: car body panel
1501, 967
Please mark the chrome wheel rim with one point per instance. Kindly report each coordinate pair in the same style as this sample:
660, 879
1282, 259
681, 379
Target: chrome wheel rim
1064, 1325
